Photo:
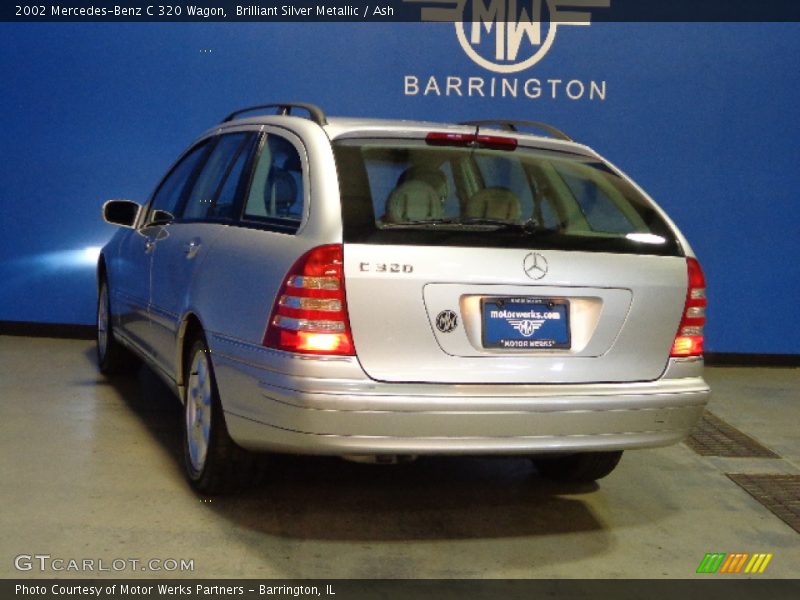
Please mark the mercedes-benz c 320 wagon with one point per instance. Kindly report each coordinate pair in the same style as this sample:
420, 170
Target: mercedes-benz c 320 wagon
385, 289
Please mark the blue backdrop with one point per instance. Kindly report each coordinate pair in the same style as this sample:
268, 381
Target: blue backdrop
703, 116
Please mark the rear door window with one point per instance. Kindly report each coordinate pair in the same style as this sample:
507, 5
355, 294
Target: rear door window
200, 201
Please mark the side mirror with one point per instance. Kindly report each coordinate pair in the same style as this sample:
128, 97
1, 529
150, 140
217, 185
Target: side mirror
121, 212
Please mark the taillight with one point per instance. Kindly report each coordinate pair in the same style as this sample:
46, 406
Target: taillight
689, 339
310, 311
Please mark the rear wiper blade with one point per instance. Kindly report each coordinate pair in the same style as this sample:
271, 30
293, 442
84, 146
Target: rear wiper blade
528, 226
423, 223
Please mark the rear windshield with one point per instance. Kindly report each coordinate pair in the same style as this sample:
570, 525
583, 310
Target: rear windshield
407, 192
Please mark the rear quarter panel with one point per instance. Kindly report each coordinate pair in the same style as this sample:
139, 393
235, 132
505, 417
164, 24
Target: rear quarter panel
234, 291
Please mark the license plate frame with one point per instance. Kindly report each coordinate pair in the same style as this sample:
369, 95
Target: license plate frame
526, 323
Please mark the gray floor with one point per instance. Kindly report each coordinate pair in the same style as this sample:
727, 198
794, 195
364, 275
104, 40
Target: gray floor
91, 470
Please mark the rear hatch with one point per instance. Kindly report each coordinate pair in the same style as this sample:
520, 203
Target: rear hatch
484, 263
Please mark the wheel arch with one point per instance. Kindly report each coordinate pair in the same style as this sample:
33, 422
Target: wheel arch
102, 270
191, 326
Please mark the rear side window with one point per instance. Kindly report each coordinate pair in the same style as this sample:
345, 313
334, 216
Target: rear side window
406, 192
276, 190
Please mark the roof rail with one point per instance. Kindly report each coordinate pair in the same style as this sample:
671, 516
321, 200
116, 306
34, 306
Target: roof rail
315, 113
513, 125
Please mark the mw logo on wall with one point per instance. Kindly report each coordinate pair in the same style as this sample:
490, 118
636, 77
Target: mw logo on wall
507, 38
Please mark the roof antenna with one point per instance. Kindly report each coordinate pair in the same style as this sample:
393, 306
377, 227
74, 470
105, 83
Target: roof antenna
474, 143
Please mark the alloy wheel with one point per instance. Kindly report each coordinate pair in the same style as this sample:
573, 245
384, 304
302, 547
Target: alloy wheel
198, 411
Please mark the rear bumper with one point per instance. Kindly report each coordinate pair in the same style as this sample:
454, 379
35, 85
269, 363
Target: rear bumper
275, 404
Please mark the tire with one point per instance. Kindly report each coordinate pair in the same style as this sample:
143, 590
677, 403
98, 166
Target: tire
112, 357
214, 463
577, 468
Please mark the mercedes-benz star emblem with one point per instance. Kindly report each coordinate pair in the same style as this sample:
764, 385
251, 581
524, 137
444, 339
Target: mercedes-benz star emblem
446, 321
535, 265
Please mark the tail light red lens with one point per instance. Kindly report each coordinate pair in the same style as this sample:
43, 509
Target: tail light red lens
689, 339
492, 142
444, 138
310, 311
497, 142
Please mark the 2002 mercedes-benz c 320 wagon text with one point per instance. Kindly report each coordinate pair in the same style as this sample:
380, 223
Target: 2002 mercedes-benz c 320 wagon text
386, 289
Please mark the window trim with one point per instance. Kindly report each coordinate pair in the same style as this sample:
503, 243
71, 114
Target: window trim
238, 218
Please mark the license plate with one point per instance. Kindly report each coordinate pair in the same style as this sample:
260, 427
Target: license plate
525, 323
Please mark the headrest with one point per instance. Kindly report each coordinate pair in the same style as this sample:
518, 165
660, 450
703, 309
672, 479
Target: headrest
292, 162
494, 203
280, 192
413, 201
433, 177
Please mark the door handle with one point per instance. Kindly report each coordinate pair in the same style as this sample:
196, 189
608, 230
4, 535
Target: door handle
149, 245
191, 249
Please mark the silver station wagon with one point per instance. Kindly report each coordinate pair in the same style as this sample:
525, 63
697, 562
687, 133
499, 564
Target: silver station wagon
380, 289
